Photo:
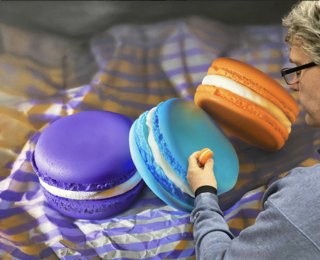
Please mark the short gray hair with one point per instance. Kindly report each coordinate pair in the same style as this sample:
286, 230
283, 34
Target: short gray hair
303, 23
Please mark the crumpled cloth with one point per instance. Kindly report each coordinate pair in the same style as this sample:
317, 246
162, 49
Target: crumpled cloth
127, 69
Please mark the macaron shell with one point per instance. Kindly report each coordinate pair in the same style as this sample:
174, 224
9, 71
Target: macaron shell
141, 137
149, 179
247, 126
87, 147
185, 128
97, 209
204, 156
258, 82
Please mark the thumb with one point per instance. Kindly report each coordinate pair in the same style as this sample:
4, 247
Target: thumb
209, 164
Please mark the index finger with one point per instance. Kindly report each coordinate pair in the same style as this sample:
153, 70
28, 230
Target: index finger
193, 159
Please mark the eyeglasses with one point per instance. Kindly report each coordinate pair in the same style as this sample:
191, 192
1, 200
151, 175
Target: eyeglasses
291, 76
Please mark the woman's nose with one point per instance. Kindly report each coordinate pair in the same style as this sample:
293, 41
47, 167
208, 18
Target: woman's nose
294, 87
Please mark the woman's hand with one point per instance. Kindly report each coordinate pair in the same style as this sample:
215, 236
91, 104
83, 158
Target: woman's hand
199, 175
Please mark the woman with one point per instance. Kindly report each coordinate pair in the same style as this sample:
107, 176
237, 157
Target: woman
289, 225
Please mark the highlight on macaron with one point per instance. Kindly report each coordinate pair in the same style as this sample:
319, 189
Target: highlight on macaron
204, 155
247, 103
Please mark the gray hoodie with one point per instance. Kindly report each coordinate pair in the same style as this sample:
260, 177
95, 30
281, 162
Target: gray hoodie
288, 228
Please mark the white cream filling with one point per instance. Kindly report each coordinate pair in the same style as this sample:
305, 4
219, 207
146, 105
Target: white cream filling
93, 195
158, 157
238, 89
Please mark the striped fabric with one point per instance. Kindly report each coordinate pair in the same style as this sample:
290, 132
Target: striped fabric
126, 69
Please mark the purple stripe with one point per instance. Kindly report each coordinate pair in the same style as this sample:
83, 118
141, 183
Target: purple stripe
163, 57
74, 257
27, 136
9, 165
190, 69
102, 47
235, 232
84, 89
43, 254
127, 103
143, 90
23, 176
49, 235
253, 197
182, 53
63, 223
26, 226
149, 216
17, 244
232, 35
82, 106
9, 195
74, 104
76, 236
46, 252
7, 68
45, 118
6, 248
245, 214
17, 150
140, 246
198, 38
87, 107
183, 86
29, 153
276, 75
7, 213
34, 139
173, 254
134, 60
136, 78
189, 98
69, 228
20, 255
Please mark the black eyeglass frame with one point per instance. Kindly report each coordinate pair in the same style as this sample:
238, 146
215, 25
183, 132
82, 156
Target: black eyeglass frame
286, 71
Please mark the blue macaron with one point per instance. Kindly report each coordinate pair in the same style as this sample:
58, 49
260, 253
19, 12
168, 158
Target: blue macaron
161, 141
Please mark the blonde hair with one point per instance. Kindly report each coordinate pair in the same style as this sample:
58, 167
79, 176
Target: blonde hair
303, 23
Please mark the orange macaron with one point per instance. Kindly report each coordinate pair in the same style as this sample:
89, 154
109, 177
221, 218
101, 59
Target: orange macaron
204, 155
247, 103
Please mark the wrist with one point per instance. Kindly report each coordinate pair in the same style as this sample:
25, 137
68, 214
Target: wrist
205, 188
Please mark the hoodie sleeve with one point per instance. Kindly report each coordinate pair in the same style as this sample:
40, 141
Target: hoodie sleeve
272, 236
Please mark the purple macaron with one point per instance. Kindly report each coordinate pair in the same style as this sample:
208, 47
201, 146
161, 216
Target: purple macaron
84, 165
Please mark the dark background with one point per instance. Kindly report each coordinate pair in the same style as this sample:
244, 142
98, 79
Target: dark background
79, 19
